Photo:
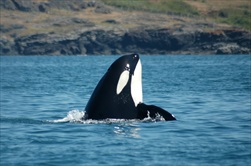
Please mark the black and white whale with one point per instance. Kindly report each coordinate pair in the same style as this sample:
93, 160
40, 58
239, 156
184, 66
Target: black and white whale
118, 94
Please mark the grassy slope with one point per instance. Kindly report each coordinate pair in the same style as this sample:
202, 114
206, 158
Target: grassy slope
233, 12
39, 22
141, 13
158, 6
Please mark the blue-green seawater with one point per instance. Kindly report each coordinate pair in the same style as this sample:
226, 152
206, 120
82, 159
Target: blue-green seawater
43, 98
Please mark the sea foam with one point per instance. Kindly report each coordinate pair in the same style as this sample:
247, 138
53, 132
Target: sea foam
75, 116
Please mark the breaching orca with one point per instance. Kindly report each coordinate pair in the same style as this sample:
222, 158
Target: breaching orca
118, 94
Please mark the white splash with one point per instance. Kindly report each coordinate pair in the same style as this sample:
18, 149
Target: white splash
156, 119
75, 116
72, 116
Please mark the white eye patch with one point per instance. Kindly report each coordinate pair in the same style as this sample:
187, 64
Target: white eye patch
123, 79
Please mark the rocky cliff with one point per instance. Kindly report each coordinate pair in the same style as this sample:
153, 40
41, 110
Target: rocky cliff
92, 30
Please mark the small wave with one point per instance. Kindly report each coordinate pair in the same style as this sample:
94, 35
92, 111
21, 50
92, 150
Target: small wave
20, 120
75, 116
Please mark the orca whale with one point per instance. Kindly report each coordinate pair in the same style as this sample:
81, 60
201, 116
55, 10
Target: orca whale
118, 95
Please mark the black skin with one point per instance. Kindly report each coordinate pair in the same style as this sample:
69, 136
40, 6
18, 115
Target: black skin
152, 111
105, 103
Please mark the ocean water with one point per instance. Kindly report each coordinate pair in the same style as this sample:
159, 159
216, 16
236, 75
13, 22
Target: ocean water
43, 99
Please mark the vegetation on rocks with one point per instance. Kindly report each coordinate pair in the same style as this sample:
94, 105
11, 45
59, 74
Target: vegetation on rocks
223, 11
160, 6
61, 27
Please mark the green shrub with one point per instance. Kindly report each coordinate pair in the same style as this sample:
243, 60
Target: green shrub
235, 17
162, 6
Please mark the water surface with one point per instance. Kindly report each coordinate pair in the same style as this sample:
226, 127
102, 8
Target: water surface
43, 97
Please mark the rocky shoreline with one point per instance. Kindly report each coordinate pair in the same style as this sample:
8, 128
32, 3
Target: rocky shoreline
143, 41
96, 40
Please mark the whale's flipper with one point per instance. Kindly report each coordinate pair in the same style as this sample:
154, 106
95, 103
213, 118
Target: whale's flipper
152, 111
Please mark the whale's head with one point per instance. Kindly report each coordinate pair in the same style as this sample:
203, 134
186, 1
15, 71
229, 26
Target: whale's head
129, 71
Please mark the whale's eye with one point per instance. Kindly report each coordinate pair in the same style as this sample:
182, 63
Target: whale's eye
135, 56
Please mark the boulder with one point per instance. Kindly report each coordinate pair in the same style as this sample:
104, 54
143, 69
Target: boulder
7, 4
25, 5
232, 49
7, 47
102, 9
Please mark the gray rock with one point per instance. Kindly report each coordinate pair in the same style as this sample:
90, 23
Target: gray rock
4, 28
83, 21
43, 7
102, 9
140, 40
111, 21
7, 4
232, 49
7, 47
25, 5
37, 6
91, 3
